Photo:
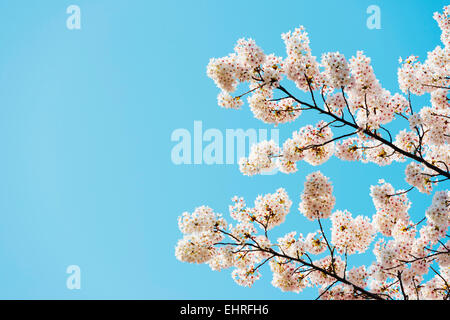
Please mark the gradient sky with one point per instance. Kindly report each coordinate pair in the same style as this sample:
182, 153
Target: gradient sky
86, 176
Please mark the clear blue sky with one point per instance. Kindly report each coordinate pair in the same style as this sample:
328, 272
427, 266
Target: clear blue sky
86, 116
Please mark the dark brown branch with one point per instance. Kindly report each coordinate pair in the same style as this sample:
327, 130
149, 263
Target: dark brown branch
370, 134
400, 193
311, 265
326, 290
399, 276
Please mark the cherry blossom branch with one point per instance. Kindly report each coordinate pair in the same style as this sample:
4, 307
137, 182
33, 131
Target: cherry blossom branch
312, 146
348, 106
400, 193
434, 86
326, 290
404, 262
415, 225
447, 287
328, 273
328, 141
369, 133
399, 276
250, 91
328, 245
304, 263
440, 115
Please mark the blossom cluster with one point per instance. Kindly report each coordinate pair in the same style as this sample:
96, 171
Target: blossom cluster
349, 234
391, 206
201, 233
261, 159
438, 217
317, 198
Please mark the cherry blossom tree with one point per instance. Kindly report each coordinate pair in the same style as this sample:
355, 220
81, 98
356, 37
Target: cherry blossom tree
349, 97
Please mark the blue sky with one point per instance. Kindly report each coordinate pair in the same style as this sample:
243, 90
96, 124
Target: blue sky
86, 116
